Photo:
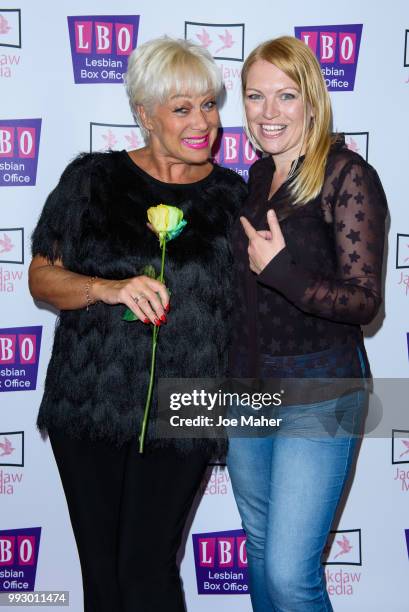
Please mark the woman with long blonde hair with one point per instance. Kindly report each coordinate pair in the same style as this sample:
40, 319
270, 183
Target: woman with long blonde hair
309, 250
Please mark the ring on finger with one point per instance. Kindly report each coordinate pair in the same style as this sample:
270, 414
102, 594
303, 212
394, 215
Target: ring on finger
141, 296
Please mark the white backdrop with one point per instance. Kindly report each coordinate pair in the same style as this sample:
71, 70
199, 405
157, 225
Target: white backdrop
368, 562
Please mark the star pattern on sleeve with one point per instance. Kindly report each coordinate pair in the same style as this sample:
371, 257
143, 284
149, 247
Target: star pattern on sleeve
354, 236
358, 218
357, 179
344, 199
358, 215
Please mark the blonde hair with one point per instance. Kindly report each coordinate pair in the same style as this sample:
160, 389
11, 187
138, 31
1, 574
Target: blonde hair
299, 63
167, 66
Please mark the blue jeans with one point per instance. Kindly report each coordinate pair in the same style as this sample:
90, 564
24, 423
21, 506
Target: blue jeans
287, 488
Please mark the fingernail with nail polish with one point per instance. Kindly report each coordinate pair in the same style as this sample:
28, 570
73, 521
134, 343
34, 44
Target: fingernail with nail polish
163, 318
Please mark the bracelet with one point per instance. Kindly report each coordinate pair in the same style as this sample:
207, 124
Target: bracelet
88, 286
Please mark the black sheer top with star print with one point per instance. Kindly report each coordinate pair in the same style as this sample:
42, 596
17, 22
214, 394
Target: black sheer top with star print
326, 283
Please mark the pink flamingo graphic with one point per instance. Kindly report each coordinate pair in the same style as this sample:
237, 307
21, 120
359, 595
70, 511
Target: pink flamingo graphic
406, 444
5, 244
133, 140
352, 145
4, 25
205, 40
345, 545
227, 40
110, 138
6, 447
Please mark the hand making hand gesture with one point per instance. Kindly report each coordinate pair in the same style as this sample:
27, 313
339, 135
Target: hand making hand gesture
264, 245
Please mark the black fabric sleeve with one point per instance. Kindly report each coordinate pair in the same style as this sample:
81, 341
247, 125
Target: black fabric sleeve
57, 228
354, 294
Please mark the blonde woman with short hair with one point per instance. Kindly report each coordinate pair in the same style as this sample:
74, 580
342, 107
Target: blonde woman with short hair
90, 249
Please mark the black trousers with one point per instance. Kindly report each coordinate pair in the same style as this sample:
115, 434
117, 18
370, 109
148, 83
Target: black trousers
128, 512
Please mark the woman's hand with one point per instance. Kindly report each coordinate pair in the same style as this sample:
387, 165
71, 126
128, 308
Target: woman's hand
263, 245
145, 296
66, 290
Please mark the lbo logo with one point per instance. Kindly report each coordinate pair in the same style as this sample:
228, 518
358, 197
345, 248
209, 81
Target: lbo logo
17, 551
233, 150
18, 348
19, 354
221, 562
223, 551
104, 37
100, 46
18, 558
337, 50
19, 146
17, 141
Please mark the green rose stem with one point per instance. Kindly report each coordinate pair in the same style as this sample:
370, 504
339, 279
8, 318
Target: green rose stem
153, 359
167, 223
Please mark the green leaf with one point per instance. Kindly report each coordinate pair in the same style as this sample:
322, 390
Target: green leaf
149, 271
129, 315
